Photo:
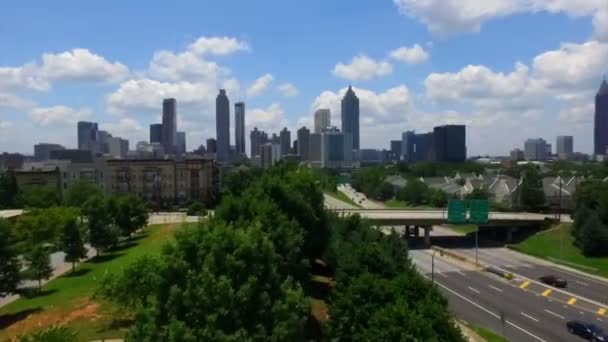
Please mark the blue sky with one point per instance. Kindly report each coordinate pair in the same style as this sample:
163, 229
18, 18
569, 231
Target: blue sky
508, 69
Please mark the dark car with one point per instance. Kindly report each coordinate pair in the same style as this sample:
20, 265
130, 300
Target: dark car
587, 331
554, 281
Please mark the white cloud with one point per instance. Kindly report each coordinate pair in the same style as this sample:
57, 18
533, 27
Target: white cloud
5, 124
186, 66
410, 55
11, 102
454, 16
260, 85
58, 115
362, 68
270, 119
217, 46
578, 114
288, 90
26, 77
81, 64
124, 128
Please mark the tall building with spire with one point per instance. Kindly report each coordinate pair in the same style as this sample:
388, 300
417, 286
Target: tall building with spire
222, 126
600, 135
350, 116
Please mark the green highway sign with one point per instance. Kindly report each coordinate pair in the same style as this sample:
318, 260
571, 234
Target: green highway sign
457, 211
480, 211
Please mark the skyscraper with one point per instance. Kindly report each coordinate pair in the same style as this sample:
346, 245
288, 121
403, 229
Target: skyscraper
304, 143
535, 149
181, 142
169, 126
322, 120
42, 151
211, 145
396, 150
239, 127
564, 146
350, 116
156, 133
449, 143
601, 120
336, 149
285, 141
258, 138
87, 136
222, 126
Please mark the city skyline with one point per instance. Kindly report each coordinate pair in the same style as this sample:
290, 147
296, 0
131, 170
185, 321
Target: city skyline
433, 71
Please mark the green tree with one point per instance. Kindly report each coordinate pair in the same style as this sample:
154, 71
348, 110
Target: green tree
197, 208
135, 285
220, 283
9, 262
39, 264
44, 226
39, 196
78, 193
478, 194
532, 193
439, 198
415, 192
385, 192
52, 334
99, 223
130, 214
72, 244
8, 189
593, 236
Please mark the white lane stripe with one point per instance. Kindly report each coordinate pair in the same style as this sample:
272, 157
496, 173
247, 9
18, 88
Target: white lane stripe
462, 274
442, 274
474, 290
580, 282
495, 288
530, 317
554, 314
486, 310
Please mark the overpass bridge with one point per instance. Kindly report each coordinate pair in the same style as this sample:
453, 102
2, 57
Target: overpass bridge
422, 218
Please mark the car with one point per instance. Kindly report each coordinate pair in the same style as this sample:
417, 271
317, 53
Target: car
554, 281
587, 331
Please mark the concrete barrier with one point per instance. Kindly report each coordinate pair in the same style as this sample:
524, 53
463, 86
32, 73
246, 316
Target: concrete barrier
487, 268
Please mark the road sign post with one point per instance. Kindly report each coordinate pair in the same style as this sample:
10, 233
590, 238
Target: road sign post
480, 211
457, 211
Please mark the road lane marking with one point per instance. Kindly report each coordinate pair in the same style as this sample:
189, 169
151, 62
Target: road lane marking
571, 301
495, 288
442, 274
530, 317
486, 310
601, 311
580, 282
554, 314
547, 292
525, 284
474, 290
462, 274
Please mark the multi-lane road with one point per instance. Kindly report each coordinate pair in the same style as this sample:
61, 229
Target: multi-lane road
487, 300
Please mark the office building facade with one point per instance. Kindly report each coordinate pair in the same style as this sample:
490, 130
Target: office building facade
418, 147
304, 143
87, 136
535, 149
181, 142
285, 141
564, 146
222, 125
449, 143
169, 125
396, 151
211, 145
156, 133
600, 134
42, 151
336, 149
239, 128
257, 139
322, 119
350, 116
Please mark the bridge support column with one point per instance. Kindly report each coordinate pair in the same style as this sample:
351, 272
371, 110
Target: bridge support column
416, 232
406, 233
510, 234
427, 236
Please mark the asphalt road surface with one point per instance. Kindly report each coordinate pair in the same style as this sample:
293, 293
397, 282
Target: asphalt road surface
486, 300
533, 268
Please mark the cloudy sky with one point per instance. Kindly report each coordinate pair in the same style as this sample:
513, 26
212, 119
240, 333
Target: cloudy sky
508, 69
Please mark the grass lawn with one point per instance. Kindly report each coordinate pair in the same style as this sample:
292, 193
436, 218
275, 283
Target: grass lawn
342, 197
546, 245
69, 299
462, 228
488, 335
393, 203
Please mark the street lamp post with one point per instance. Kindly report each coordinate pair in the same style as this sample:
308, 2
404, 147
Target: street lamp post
433, 268
476, 247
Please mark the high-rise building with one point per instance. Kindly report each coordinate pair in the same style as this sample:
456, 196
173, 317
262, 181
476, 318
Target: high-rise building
222, 126
87, 136
535, 149
239, 127
42, 151
304, 143
350, 116
257, 138
103, 142
396, 150
600, 145
211, 145
117, 147
564, 146
449, 143
336, 149
169, 126
517, 154
322, 120
156, 133
418, 147
314, 148
285, 141
181, 142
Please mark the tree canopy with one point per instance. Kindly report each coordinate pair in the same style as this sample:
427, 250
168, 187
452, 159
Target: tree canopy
9, 263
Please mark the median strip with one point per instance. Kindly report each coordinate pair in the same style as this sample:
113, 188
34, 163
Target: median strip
601, 311
524, 285
572, 301
547, 292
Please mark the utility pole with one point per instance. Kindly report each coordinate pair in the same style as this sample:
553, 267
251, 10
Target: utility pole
433, 268
476, 247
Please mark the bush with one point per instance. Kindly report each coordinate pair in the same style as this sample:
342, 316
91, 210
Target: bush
196, 208
52, 334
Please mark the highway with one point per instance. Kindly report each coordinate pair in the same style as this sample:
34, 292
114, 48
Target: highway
481, 298
579, 284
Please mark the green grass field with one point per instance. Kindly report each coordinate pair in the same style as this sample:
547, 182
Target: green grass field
393, 203
69, 298
342, 197
488, 335
547, 245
